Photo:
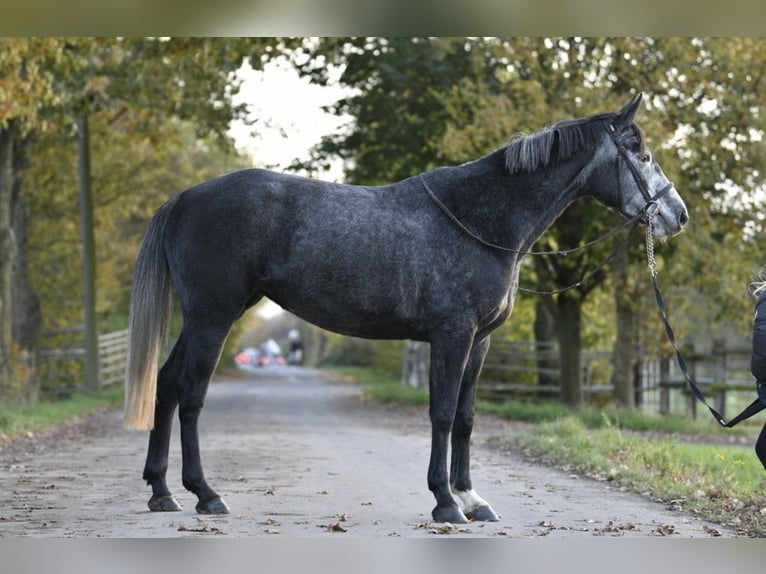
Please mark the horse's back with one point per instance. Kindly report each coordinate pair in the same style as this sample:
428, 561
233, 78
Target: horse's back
295, 240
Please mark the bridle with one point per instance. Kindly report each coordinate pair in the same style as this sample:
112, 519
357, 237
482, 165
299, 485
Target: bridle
651, 207
644, 216
647, 215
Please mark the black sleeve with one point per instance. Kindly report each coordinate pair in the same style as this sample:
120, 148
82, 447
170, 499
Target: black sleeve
758, 359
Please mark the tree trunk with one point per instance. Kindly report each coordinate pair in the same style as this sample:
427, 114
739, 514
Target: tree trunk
624, 351
26, 313
570, 347
7, 250
545, 334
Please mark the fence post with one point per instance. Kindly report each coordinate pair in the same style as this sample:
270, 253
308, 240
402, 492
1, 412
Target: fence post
416, 364
664, 386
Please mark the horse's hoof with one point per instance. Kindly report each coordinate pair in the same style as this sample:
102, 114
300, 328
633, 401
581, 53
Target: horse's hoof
483, 514
213, 506
450, 514
165, 503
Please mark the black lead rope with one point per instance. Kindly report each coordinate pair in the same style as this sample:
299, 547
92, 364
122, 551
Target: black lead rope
755, 407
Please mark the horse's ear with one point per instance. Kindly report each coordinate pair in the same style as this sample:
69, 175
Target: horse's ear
627, 113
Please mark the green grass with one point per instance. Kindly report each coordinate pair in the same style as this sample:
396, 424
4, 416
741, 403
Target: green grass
546, 411
725, 484
383, 386
19, 420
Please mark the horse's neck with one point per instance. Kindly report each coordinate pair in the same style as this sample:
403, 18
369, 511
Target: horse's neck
511, 210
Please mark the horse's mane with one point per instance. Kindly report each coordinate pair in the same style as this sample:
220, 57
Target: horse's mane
527, 153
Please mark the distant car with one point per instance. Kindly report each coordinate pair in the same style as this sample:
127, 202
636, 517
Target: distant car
270, 353
269, 359
248, 356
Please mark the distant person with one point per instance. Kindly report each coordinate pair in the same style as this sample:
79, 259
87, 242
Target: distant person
296, 348
758, 359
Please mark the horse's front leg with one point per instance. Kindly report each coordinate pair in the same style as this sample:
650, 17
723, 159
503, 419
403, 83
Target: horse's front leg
448, 360
472, 505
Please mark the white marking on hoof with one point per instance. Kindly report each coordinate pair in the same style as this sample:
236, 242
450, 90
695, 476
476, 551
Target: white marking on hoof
468, 500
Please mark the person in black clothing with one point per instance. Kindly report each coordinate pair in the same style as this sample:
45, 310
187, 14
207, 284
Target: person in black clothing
758, 359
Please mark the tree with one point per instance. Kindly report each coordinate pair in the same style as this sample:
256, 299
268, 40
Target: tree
422, 102
400, 110
26, 91
146, 89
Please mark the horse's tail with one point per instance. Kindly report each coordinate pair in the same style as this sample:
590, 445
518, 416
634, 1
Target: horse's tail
150, 308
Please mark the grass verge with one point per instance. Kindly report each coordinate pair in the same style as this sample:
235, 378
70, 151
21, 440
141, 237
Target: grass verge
19, 420
725, 484
383, 386
642, 453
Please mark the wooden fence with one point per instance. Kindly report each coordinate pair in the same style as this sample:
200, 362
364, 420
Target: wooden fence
61, 360
529, 370
723, 375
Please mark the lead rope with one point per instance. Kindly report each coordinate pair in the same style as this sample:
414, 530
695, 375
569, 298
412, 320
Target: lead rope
650, 246
752, 409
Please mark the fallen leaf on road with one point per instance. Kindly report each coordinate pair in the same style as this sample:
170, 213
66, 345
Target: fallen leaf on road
614, 528
546, 524
714, 532
665, 530
205, 529
443, 528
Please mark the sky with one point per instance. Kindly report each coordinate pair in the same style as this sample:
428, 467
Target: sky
290, 120
289, 116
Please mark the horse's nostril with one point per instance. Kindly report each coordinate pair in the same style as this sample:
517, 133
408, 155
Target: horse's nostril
683, 219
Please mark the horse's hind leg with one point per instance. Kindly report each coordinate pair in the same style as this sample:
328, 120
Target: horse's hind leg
156, 468
472, 505
202, 352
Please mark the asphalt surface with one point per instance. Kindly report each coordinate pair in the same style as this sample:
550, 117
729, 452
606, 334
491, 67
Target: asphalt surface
298, 453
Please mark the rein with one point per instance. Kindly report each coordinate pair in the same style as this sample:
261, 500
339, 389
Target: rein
632, 223
563, 252
753, 408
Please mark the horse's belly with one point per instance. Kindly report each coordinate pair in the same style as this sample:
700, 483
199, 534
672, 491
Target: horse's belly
349, 318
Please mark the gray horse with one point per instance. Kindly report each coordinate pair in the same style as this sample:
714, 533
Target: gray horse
433, 258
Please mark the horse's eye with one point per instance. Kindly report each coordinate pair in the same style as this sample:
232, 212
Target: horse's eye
646, 157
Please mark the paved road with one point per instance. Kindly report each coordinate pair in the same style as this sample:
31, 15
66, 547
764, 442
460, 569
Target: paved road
296, 453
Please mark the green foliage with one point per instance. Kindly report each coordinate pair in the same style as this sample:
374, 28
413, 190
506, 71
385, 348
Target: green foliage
396, 392
133, 174
423, 102
596, 418
159, 111
383, 386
